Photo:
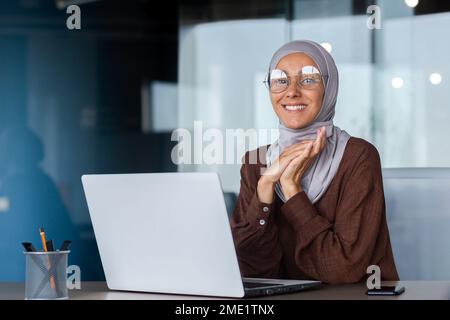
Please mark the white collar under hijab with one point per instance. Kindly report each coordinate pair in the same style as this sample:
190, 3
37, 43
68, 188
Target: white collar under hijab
319, 175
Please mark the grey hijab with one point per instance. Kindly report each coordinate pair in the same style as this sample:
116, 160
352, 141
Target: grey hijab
319, 175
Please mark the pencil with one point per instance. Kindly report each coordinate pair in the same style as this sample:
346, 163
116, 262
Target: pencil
44, 246
43, 239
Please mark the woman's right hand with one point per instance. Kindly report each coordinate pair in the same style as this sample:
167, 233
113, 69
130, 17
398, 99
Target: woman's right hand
267, 182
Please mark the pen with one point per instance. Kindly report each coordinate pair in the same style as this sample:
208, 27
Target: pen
44, 245
50, 245
28, 247
65, 246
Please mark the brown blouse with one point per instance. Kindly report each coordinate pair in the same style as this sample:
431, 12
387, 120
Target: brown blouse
333, 240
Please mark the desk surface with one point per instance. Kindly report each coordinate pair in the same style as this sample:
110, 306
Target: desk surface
415, 290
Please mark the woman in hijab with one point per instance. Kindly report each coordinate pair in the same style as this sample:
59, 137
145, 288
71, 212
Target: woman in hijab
312, 206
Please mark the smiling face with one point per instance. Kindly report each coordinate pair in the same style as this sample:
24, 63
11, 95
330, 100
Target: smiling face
297, 107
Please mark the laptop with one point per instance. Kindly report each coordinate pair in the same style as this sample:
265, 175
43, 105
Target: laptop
170, 233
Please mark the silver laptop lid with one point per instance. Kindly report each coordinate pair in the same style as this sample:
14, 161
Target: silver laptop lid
164, 232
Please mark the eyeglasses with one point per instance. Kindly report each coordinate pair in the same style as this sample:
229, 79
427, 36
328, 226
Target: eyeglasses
309, 78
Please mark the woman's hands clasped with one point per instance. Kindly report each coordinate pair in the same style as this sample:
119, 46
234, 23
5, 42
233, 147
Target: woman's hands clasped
290, 167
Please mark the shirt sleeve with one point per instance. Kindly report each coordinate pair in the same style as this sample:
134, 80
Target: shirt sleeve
254, 231
340, 251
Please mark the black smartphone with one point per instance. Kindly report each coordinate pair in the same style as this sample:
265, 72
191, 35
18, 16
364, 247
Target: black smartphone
386, 291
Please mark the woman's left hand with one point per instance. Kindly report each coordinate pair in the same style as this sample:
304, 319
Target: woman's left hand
292, 175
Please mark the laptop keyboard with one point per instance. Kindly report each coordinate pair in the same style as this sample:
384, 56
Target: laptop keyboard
249, 285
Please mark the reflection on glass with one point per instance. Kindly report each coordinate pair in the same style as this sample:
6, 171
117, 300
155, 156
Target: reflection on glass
30, 199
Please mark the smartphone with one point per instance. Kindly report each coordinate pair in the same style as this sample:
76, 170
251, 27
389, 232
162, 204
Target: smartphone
386, 291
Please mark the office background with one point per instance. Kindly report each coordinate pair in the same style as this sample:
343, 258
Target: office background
106, 98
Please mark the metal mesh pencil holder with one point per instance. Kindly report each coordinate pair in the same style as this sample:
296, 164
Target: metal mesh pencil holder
46, 275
